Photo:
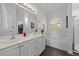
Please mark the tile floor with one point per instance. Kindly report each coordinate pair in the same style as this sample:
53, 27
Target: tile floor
50, 51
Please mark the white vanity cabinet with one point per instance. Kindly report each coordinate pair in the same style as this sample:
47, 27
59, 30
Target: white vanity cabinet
10, 51
30, 47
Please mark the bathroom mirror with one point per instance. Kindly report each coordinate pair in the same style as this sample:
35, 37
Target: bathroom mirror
7, 19
22, 20
32, 25
20, 28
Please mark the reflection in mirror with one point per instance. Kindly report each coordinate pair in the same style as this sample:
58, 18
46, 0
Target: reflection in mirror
26, 20
4, 17
20, 28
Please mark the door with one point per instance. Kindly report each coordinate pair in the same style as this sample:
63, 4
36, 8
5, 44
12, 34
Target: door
11, 51
76, 33
57, 32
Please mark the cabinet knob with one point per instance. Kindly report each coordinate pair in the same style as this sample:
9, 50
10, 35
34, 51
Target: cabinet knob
21, 45
18, 47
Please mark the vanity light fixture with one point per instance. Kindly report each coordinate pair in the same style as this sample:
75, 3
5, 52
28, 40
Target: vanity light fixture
27, 7
56, 26
59, 25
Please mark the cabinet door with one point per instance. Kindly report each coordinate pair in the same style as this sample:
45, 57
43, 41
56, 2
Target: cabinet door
33, 47
25, 50
11, 51
43, 43
28, 48
40, 45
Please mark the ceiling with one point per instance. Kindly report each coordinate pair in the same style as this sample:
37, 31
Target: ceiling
75, 6
49, 8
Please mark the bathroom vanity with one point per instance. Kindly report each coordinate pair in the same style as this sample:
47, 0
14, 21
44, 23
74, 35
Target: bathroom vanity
23, 46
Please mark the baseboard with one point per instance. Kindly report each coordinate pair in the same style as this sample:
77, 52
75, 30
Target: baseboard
56, 48
75, 51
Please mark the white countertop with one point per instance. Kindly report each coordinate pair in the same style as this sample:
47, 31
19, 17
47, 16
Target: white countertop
4, 43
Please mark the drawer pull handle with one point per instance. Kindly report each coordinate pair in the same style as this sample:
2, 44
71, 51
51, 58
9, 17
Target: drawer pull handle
18, 47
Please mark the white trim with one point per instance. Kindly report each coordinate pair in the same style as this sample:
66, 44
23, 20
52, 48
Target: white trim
26, 9
76, 51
